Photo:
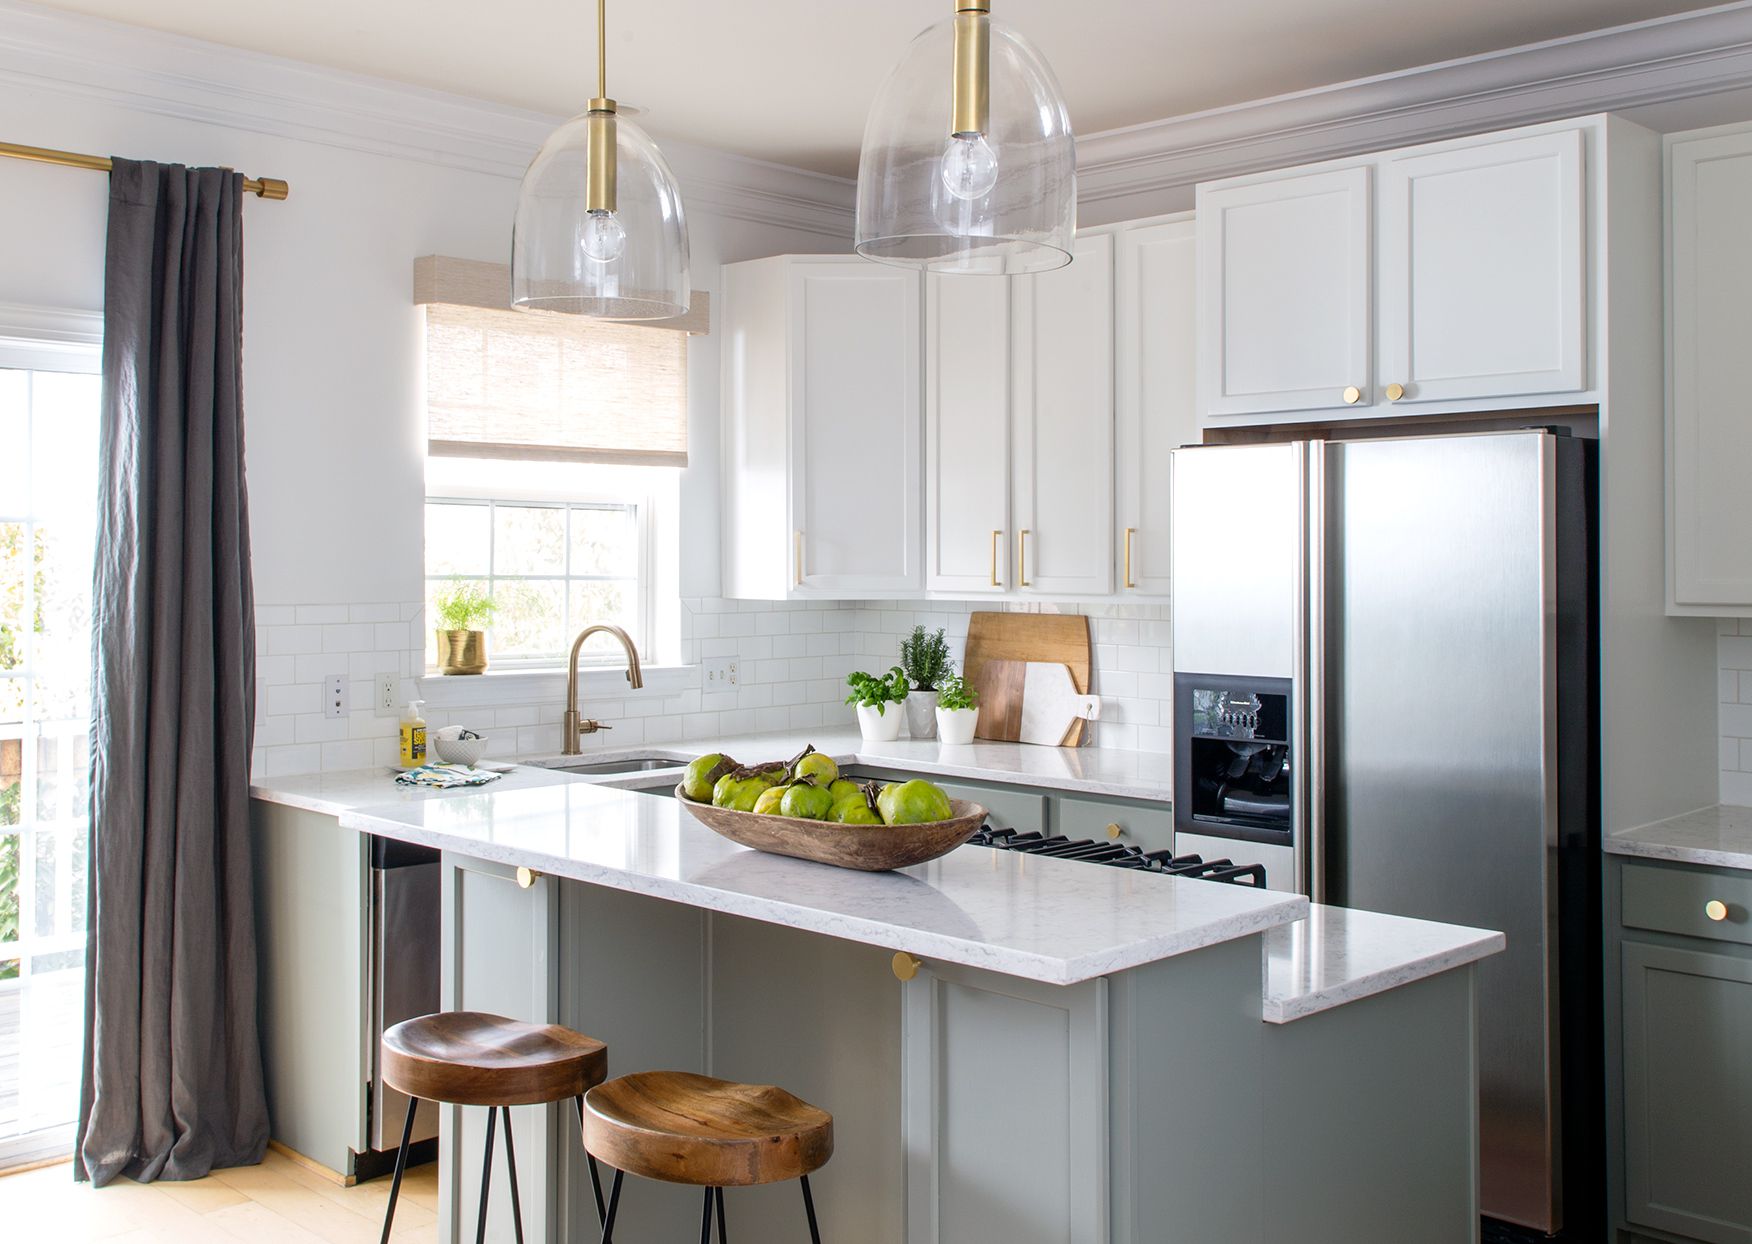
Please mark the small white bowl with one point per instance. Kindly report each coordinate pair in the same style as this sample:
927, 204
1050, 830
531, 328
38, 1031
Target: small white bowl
460, 751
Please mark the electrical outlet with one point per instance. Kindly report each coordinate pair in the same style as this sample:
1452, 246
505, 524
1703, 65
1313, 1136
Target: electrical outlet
334, 695
721, 674
384, 702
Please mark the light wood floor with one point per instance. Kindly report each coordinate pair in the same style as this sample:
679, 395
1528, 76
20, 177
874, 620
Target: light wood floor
278, 1202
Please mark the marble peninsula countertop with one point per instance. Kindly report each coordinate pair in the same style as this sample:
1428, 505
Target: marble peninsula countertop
1718, 837
1056, 921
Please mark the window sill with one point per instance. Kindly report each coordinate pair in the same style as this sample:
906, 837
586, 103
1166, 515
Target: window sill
538, 686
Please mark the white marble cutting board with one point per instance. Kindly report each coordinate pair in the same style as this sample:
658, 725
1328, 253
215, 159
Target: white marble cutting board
1051, 702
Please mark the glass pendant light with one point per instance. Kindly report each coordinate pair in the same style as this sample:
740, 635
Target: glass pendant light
599, 228
969, 164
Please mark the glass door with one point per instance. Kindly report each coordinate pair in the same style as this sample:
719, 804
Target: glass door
48, 511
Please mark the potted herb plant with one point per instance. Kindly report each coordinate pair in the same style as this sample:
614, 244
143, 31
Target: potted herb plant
463, 610
925, 658
957, 710
874, 694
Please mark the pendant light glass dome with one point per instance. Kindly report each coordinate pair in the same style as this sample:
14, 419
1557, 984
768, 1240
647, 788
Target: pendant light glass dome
599, 228
969, 163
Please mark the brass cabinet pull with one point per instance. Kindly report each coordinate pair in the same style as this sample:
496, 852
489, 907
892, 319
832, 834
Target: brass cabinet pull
905, 966
797, 542
995, 534
1352, 395
1129, 533
1395, 392
527, 877
1022, 558
1114, 831
1716, 910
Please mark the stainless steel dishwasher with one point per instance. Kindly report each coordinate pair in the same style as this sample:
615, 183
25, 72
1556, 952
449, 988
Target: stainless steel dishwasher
406, 933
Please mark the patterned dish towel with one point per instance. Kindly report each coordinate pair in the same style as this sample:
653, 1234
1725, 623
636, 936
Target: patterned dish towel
443, 777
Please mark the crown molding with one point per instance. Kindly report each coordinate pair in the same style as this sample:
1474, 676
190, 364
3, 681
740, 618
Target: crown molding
186, 79
1650, 62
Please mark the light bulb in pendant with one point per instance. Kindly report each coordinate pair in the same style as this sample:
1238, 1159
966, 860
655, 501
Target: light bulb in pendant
970, 166
604, 237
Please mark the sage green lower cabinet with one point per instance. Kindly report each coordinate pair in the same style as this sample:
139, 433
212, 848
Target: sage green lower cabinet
311, 896
1150, 826
1688, 1092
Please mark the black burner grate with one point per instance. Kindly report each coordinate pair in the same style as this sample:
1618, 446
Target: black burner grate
1116, 855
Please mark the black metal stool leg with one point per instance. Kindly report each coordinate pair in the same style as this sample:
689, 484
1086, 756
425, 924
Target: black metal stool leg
613, 1207
718, 1193
511, 1165
401, 1165
809, 1208
706, 1220
486, 1178
590, 1159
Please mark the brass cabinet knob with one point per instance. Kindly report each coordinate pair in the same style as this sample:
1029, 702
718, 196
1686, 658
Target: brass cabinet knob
1715, 909
527, 877
1114, 831
1352, 395
905, 966
1395, 392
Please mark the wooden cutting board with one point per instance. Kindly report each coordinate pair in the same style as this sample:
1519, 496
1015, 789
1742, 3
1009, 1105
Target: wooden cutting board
1056, 638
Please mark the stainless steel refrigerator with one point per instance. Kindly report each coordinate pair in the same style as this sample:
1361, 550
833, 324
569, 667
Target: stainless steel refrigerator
1384, 680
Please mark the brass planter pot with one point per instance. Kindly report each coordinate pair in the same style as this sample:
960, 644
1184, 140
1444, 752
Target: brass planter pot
462, 652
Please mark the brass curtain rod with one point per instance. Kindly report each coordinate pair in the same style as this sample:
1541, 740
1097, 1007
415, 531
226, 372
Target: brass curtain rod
262, 187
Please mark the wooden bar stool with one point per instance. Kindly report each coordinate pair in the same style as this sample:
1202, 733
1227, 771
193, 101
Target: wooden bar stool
470, 1058
687, 1129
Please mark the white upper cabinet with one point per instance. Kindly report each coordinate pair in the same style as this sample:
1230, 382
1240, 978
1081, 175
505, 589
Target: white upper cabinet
1433, 280
1156, 400
822, 429
1709, 323
1062, 420
1284, 293
967, 434
1483, 271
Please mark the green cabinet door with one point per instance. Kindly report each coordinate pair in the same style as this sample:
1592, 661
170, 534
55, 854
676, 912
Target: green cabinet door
1688, 1092
1138, 825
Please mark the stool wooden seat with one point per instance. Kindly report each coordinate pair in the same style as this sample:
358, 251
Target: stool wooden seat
471, 1058
683, 1128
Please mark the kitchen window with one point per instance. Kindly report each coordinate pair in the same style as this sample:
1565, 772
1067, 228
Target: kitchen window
555, 445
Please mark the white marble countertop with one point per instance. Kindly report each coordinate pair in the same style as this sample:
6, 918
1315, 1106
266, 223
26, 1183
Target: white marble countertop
1079, 770
1718, 836
1337, 955
1048, 920
342, 790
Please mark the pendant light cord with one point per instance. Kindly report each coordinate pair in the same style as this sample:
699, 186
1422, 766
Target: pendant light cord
602, 49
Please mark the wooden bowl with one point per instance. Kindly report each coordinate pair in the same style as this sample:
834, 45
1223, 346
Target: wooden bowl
868, 848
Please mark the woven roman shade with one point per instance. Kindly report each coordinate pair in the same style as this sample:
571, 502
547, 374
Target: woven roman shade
558, 388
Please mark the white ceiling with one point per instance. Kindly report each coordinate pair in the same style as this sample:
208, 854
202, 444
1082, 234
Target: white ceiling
789, 80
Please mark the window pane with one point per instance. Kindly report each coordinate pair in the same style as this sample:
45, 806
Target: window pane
13, 562
531, 619
612, 601
11, 785
457, 539
604, 542
64, 447
14, 392
11, 700
529, 540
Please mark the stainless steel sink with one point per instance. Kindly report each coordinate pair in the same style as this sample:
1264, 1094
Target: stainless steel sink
630, 764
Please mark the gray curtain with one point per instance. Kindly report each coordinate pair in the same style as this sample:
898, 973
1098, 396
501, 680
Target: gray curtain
173, 1073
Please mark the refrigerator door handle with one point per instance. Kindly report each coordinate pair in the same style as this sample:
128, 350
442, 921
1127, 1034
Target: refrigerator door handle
1311, 785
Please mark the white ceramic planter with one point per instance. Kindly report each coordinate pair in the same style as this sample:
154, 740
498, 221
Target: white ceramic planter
880, 727
955, 725
921, 709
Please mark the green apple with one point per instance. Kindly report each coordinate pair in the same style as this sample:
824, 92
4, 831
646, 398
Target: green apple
855, 812
806, 802
818, 769
845, 788
738, 791
768, 803
703, 774
913, 803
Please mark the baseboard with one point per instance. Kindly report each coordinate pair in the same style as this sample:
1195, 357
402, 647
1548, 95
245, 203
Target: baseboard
312, 1165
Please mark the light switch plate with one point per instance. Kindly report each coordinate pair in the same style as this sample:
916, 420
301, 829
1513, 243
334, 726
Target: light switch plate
720, 674
334, 695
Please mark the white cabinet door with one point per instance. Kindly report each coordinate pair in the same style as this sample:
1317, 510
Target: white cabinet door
1483, 272
1284, 279
855, 428
1062, 417
967, 434
1156, 409
1709, 426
